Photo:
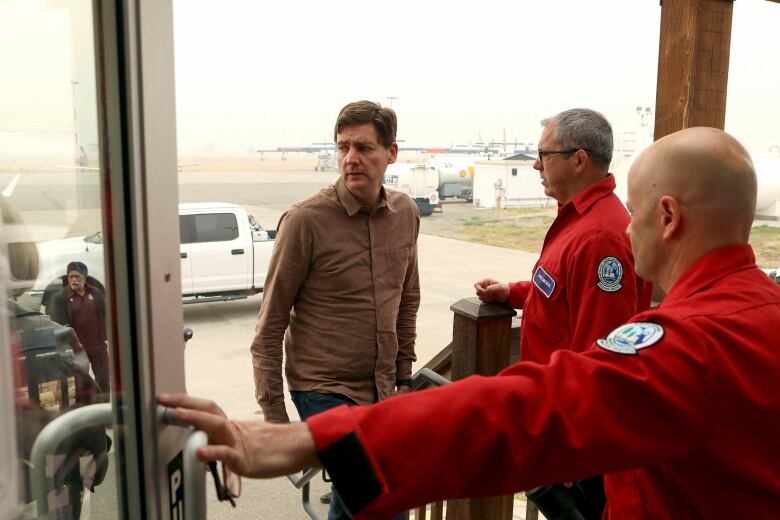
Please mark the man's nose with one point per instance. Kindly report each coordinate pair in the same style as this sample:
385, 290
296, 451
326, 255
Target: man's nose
351, 156
538, 165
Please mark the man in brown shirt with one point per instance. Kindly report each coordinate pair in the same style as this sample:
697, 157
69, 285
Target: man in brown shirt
342, 288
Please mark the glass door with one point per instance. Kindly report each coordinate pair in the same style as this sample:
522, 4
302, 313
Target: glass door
91, 328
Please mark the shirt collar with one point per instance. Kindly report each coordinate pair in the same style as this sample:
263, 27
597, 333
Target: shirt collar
710, 268
353, 206
586, 198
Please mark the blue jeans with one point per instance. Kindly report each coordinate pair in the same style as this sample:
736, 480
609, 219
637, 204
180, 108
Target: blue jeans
312, 403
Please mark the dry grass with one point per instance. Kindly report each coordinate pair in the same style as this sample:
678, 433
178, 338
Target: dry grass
524, 229
766, 243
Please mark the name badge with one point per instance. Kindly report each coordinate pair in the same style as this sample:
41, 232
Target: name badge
544, 282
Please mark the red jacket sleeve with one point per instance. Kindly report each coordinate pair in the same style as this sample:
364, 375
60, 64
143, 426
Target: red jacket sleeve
581, 415
596, 303
518, 292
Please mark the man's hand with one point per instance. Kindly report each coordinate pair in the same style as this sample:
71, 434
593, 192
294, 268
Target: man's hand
249, 448
490, 290
403, 389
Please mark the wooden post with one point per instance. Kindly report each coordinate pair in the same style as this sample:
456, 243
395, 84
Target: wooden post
693, 64
480, 345
480, 338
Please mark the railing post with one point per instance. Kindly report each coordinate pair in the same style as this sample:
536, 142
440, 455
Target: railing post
481, 334
481, 344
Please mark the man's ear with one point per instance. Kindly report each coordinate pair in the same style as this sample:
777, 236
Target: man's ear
671, 216
582, 160
393, 153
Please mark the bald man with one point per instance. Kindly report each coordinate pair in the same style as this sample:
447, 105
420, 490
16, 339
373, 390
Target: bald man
679, 408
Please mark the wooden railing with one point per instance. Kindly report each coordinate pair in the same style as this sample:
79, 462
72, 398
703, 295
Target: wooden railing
484, 342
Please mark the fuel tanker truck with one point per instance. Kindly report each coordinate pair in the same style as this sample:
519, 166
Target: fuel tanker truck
456, 177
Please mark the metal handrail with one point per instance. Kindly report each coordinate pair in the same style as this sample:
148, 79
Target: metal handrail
426, 375
303, 483
304, 479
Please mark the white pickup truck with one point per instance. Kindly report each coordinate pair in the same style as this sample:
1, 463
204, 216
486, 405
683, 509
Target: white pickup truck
224, 253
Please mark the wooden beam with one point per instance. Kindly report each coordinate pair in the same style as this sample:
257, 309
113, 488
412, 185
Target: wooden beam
693, 64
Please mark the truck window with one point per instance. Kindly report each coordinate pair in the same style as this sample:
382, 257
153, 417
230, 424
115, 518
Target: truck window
213, 227
185, 229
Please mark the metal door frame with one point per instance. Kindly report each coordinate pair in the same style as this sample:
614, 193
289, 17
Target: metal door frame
139, 186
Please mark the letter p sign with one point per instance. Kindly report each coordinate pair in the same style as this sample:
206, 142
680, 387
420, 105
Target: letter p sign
176, 489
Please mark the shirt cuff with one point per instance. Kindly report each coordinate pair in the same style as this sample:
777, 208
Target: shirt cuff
349, 463
276, 414
518, 292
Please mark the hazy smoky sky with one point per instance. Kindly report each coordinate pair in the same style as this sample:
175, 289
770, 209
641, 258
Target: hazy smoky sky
264, 74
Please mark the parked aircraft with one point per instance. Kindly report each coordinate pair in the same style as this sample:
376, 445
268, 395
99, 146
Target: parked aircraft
326, 151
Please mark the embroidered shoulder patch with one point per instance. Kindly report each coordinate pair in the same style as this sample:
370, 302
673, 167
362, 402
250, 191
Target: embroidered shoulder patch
544, 282
610, 273
631, 337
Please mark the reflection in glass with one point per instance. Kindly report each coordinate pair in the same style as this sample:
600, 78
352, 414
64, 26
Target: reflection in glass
58, 332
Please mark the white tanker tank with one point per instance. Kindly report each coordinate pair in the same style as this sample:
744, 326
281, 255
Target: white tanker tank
419, 181
456, 176
768, 173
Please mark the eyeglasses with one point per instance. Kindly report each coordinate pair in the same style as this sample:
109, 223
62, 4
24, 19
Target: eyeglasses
543, 154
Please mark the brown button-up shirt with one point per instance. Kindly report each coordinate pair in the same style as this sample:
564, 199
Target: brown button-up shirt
343, 291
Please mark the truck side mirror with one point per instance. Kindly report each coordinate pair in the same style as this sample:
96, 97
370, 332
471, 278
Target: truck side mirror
259, 236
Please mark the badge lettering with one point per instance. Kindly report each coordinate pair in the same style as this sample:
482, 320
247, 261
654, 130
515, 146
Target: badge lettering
544, 282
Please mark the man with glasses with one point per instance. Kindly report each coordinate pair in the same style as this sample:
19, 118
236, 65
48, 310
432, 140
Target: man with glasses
583, 284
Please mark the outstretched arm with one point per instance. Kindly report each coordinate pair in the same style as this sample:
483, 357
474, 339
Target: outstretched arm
250, 448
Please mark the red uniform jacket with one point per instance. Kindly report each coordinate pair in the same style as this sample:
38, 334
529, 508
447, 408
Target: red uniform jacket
684, 400
584, 283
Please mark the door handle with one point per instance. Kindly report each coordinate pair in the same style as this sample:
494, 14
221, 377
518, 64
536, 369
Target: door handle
184, 255
52, 436
237, 252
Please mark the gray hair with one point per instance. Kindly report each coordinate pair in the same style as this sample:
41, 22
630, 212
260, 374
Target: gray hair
586, 129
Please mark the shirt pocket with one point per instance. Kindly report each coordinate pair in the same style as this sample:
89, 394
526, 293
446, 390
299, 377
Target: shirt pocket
396, 264
548, 308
